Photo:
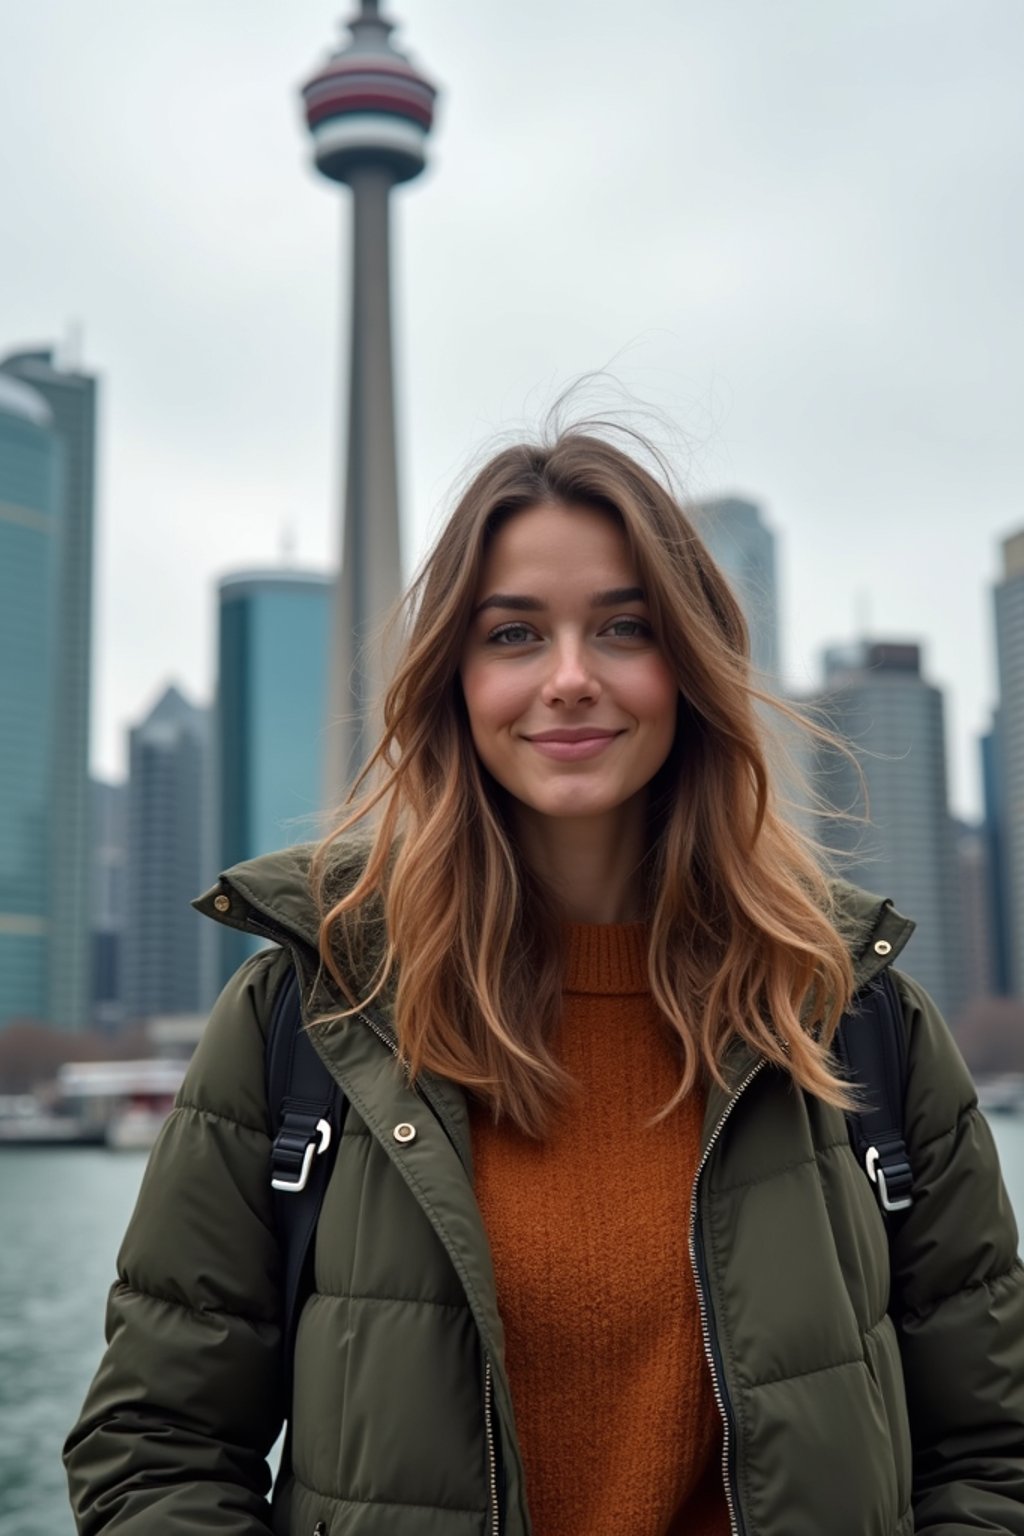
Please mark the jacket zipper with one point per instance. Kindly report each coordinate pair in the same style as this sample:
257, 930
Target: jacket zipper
710, 1350
382, 1034
492, 1460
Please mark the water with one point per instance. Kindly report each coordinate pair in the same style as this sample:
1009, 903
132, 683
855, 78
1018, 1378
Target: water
62, 1214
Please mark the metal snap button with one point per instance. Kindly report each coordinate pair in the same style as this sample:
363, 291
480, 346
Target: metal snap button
882, 947
222, 903
404, 1132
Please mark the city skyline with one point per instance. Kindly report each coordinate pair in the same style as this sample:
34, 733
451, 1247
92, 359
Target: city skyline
808, 261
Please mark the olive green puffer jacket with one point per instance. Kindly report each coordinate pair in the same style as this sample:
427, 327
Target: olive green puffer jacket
843, 1417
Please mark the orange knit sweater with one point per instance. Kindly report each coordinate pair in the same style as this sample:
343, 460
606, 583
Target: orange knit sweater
614, 1408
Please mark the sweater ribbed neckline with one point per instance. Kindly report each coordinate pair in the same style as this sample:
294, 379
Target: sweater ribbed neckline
608, 958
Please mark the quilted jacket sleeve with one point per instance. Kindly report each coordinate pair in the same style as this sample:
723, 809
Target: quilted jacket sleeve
959, 1299
186, 1404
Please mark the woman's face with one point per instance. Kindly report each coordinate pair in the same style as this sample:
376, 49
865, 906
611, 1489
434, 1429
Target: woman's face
571, 703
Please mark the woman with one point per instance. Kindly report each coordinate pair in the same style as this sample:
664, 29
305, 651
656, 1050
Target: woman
595, 1256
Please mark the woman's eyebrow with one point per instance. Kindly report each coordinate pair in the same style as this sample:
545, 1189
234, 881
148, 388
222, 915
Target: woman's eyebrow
617, 595
510, 600
519, 603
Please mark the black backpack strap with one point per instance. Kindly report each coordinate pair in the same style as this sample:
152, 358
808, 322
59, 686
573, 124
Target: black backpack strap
871, 1043
307, 1110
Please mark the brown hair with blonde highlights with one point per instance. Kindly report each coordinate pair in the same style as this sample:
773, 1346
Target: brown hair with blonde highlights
743, 937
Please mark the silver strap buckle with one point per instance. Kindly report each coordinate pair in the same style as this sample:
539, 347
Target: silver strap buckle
293, 1186
877, 1176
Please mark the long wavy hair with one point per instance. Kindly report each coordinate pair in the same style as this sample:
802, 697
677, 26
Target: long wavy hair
743, 934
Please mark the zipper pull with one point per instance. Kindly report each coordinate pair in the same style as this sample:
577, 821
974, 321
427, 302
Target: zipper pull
319, 1529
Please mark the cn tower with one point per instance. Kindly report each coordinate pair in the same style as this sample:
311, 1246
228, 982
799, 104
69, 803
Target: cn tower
369, 113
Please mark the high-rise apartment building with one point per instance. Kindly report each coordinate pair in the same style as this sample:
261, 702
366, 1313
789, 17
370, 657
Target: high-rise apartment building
168, 774
877, 699
31, 502
743, 546
1007, 768
273, 641
71, 398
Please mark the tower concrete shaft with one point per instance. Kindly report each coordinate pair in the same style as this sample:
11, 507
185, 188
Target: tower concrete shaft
369, 113
370, 579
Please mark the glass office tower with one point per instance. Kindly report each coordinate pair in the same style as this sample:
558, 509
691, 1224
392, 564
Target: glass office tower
168, 762
876, 697
1006, 772
30, 533
743, 546
70, 395
273, 639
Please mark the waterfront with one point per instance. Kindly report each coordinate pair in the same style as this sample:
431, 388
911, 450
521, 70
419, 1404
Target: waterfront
61, 1217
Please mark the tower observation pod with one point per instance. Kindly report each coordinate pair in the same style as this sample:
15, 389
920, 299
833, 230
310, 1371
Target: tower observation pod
369, 113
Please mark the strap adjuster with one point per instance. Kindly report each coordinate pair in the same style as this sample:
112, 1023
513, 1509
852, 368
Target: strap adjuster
890, 1172
304, 1134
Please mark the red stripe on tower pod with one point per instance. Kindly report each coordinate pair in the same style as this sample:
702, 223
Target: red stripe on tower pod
341, 90
340, 105
369, 80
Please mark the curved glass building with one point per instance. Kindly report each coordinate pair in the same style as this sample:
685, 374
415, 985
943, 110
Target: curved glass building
273, 642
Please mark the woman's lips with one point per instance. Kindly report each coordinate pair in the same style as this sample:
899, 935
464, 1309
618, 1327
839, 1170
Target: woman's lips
573, 751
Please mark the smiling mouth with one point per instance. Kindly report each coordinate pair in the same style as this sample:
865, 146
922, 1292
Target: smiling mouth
564, 748
575, 733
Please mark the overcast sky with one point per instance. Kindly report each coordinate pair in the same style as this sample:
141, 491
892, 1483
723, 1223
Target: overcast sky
794, 231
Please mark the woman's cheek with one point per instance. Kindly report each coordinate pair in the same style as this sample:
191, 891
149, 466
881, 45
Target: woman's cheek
494, 697
652, 691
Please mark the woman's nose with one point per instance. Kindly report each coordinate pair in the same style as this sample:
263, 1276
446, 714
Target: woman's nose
570, 678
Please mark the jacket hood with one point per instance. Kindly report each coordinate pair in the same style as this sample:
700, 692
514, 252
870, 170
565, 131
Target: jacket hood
271, 897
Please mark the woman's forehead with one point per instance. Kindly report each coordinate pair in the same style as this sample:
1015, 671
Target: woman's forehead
555, 543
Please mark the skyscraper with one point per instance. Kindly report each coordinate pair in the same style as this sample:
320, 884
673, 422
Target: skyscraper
876, 697
31, 501
71, 397
976, 928
996, 872
369, 113
743, 546
1007, 768
273, 635
109, 902
168, 768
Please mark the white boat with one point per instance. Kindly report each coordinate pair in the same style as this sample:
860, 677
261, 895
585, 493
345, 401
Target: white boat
129, 1100
27, 1122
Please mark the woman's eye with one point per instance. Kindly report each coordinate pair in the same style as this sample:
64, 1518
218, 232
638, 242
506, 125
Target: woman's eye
630, 629
511, 634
